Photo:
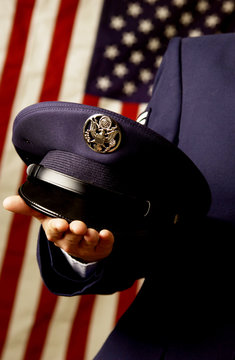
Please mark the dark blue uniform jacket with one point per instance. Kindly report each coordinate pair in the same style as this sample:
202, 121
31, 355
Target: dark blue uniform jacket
186, 307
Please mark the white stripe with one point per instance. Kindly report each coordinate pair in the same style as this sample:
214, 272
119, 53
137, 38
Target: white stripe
28, 92
110, 104
142, 108
116, 105
60, 329
7, 12
26, 301
80, 50
101, 323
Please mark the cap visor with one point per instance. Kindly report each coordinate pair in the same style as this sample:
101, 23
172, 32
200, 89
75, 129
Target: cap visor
53, 201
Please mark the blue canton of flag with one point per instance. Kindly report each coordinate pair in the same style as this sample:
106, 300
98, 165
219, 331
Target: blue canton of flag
133, 36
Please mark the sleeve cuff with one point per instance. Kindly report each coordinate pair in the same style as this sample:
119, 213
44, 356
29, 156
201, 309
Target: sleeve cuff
84, 270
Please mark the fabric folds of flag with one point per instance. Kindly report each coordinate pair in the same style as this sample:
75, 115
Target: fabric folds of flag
96, 52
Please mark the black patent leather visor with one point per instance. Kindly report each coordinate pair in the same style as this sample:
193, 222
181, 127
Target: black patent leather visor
58, 195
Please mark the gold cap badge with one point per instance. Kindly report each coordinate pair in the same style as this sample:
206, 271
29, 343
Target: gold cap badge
102, 134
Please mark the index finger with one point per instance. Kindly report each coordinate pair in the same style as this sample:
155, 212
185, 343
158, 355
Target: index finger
17, 205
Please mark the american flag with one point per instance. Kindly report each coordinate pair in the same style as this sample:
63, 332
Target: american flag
97, 52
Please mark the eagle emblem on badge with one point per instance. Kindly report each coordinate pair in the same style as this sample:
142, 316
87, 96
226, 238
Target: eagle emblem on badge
101, 133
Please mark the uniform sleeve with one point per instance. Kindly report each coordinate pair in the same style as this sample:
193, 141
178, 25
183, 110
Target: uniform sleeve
164, 108
115, 273
57, 273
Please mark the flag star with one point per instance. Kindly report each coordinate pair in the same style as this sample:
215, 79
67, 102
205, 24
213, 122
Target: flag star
120, 70
153, 44
162, 13
145, 75
117, 22
136, 57
212, 20
129, 88
103, 83
195, 33
228, 6
111, 51
134, 9
170, 31
203, 6
145, 26
186, 18
129, 38
179, 3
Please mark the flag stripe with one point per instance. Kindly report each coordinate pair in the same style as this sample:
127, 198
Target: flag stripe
79, 333
60, 328
38, 334
110, 104
90, 100
13, 63
59, 48
32, 76
130, 110
101, 323
80, 50
7, 14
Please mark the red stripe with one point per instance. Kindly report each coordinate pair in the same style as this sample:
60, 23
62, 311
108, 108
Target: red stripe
59, 49
13, 63
126, 298
130, 110
50, 91
90, 100
78, 337
11, 270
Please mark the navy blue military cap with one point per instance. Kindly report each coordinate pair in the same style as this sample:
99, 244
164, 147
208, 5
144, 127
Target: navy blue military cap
94, 165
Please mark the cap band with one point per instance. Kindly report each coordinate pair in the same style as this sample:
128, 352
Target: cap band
56, 178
